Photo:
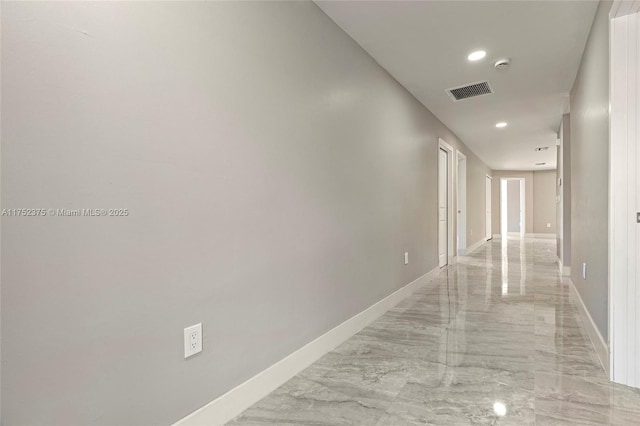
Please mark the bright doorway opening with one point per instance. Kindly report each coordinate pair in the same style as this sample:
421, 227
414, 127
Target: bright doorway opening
512, 207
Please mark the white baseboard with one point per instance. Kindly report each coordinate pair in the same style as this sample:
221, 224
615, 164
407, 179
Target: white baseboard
565, 271
601, 347
541, 235
472, 248
226, 407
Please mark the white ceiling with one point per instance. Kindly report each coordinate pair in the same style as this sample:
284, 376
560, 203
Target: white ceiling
424, 45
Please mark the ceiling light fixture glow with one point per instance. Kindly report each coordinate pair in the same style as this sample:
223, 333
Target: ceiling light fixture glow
501, 124
499, 408
477, 55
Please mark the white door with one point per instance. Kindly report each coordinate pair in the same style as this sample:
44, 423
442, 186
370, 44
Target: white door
624, 202
442, 207
462, 204
522, 201
488, 208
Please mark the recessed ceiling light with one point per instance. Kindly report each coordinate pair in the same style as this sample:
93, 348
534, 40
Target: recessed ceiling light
477, 55
501, 124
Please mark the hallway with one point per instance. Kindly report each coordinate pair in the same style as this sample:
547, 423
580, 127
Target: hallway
494, 339
236, 212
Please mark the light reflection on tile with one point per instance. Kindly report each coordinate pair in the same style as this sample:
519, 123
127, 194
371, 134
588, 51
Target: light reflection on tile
494, 339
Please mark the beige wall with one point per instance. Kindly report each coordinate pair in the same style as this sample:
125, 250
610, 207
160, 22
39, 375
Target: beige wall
544, 202
274, 175
590, 171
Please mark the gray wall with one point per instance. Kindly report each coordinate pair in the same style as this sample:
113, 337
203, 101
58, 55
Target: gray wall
590, 171
513, 206
476, 197
544, 201
274, 175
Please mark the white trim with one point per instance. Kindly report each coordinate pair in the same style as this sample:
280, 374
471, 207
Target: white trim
497, 236
450, 191
474, 247
226, 407
600, 346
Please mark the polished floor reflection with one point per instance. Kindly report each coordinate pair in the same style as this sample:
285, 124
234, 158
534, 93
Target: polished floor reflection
494, 339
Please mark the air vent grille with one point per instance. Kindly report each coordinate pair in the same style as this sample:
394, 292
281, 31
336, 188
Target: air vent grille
470, 91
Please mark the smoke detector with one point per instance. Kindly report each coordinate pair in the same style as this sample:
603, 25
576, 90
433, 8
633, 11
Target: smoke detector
502, 64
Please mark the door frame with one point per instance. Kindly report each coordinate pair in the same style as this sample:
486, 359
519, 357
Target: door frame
488, 233
442, 144
461, 203
503, 208
624, 196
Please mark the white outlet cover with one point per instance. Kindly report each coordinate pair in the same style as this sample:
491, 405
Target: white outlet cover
406, 257
192, 340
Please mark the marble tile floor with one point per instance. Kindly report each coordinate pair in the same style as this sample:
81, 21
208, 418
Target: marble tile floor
493, 340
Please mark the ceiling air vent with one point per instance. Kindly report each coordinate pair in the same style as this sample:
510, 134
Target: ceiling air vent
469, 91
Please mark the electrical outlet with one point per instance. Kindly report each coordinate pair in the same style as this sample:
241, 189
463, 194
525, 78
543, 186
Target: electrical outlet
584, 271
192, 340
406, 257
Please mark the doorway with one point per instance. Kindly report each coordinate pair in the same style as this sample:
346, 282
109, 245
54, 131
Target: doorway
487, 203
512, 207
445, 202
462, 203
442, 207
